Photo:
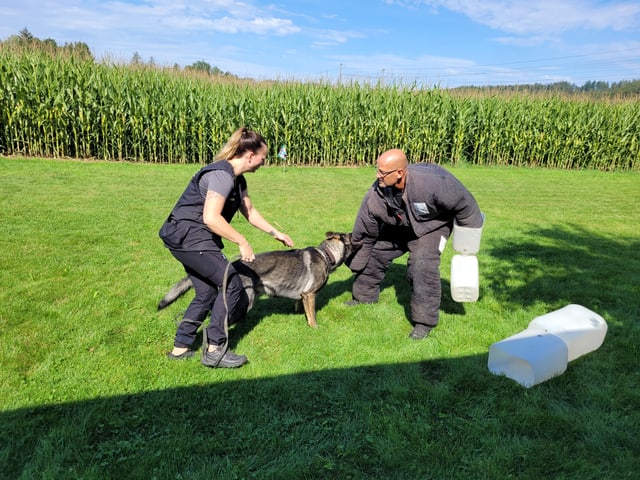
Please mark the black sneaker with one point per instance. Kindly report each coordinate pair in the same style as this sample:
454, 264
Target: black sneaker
182, 356
220, 358
419, 332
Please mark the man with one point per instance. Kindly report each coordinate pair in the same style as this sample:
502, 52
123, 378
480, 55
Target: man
410, 208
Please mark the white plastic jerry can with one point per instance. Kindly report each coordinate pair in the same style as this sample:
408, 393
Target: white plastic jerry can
581, 329
529, 357
543, 350
465, 278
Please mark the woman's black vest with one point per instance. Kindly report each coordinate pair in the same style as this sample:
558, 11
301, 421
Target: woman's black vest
184, 229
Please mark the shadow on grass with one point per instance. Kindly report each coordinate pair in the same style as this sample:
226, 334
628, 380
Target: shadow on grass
395, 278
445, 418
567, 264
554, 267
442, 418
551, 266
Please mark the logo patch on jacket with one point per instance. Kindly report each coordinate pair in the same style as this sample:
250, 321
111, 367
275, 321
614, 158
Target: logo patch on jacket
421, 208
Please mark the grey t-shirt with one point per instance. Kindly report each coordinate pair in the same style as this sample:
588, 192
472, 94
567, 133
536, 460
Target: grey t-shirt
218, 181
229, 187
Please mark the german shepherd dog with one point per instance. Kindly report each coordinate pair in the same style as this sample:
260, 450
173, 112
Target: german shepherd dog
298, 273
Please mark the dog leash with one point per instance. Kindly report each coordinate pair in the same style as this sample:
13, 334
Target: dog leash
225, 346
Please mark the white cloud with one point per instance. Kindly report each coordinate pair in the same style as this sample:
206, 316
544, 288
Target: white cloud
226, 16
526, 17
277, 26
227, 24
331, 38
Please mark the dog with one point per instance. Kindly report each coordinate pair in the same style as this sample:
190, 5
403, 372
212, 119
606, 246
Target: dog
298, 274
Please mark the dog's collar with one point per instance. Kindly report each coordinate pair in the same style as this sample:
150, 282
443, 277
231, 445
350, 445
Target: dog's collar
328, 256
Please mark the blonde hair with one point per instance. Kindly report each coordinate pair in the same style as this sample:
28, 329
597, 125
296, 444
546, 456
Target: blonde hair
241, 141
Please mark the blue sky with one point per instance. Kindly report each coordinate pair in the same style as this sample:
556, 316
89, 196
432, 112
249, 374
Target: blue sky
432, 42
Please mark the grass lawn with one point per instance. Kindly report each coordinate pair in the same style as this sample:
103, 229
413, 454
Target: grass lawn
86, 390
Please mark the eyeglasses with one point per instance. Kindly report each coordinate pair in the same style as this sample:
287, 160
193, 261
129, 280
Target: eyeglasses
383, 174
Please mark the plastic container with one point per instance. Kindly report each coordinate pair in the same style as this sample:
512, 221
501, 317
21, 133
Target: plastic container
529, 357
466, 241
549, 343
465, 278
581, 329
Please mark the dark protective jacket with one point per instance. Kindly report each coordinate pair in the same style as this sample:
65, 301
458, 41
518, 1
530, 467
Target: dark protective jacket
185, 229
432, 198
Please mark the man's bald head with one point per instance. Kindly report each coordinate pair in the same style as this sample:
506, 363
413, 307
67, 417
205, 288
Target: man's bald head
392, 168
393, 159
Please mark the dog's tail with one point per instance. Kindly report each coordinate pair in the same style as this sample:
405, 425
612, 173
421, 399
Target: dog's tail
179, 289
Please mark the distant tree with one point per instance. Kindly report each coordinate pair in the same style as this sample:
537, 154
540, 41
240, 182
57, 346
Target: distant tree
217, 71
24, 40
25, 36
564, 87
625, 87
200, 66
50, 44
593, 86
136, 59
79, 50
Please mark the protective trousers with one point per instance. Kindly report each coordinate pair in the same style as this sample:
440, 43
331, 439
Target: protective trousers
206, 270
423, 270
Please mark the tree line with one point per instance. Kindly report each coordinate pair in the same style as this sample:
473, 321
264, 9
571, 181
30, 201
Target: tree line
26, 41
597, 88
591, 87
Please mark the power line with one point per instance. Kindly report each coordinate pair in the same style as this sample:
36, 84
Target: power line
495, 73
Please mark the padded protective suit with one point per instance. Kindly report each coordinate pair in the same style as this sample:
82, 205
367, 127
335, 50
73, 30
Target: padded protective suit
417, 220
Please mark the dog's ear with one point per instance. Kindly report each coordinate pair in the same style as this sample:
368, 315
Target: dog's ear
329, 235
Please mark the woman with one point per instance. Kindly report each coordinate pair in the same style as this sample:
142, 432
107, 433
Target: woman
194, 233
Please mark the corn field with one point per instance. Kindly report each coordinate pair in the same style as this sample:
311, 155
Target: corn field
55, 106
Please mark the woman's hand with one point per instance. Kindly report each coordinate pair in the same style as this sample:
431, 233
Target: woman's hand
246, 252
282, 237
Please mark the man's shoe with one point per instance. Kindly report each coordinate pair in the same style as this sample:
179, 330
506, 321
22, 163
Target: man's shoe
222, 359
419, 332
182, 356
353, 302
